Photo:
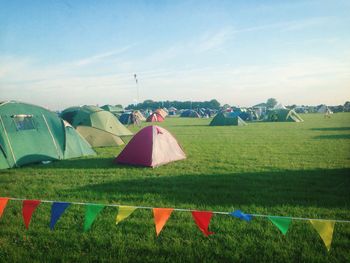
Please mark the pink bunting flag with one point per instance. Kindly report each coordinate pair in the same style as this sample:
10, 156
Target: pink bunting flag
202, 219
28, 209
3, 203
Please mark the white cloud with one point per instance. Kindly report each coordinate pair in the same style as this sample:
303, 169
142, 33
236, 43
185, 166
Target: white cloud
100, 57
107, 78
213, 41
9, 65
289, 25
303, 81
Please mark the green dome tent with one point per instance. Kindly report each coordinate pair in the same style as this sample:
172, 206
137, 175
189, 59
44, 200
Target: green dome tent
76, 145
117, 110
98, 127
31, 134
227, 119
283, 115
190, 114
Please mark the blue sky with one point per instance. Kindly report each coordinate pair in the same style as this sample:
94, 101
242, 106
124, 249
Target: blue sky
62, 53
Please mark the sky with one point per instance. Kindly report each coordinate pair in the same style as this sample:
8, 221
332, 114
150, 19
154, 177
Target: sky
63, 53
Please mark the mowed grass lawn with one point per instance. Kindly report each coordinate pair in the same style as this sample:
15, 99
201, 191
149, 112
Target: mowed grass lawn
291, 169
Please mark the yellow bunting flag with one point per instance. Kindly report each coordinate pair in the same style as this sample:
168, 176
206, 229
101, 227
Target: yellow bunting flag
325, 230
124, 212
161, 216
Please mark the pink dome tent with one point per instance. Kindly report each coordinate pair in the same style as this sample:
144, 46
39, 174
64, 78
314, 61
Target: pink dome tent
152, 146
155, 117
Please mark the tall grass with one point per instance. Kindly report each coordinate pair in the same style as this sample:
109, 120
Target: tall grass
292, 169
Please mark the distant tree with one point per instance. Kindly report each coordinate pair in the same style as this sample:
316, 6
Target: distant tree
347, 106
150, 104
335, 109
213, 104
271, 102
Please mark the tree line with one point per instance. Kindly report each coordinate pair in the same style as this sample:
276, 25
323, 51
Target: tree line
214, 104
150, 104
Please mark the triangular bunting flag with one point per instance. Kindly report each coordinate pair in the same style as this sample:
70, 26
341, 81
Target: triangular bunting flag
124, 212
3, 203
57, 210
281, 222
202, 219
239, 214
28, 209
161, 216
90, 214
325, 230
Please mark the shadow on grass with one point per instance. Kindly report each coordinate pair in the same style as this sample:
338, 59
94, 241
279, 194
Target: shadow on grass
85, 163
333, 136
315, 188
332, 129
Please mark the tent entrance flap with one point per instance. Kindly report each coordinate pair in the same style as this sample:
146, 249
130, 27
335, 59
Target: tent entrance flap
8, 141
53, 139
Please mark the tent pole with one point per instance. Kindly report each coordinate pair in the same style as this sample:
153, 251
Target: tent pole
8, 140
53, 139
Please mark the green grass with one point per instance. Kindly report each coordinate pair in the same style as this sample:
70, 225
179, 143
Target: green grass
292, 169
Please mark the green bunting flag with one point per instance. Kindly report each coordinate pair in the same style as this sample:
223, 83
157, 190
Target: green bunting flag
281, 222
90, 214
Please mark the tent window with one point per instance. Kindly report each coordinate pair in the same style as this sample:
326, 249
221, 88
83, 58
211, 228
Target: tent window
23, 122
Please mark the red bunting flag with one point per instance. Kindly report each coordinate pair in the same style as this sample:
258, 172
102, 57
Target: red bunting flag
3, 203
202, 219
28, 209
161, 216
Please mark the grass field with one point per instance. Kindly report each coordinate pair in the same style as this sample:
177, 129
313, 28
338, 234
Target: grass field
292, 169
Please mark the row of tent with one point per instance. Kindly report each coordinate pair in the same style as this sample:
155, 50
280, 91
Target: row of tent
32, 134
125, 116
236, 118
131, 117
103, 128
257, 112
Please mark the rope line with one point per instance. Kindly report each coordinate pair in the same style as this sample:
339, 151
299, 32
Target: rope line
183, 210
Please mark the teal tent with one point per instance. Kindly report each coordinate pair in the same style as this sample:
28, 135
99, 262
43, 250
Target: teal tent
30, 134
283, 115
227, 119
117, 110
76, 145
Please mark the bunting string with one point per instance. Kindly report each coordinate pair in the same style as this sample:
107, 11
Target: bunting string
184, 210
324, 227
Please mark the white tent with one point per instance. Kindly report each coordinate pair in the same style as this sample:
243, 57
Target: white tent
324, 109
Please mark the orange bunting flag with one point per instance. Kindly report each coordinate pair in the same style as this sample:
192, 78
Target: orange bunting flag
325, 230
28, 209
3, 203
202, 219
161, 216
